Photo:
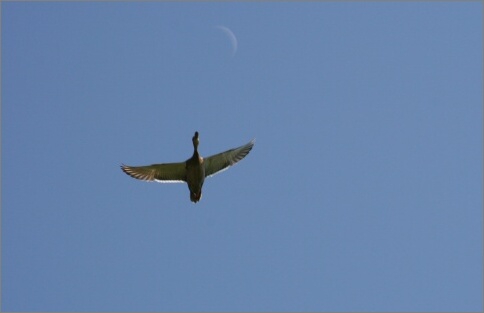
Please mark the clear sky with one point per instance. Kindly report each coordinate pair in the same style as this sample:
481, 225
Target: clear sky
363, 191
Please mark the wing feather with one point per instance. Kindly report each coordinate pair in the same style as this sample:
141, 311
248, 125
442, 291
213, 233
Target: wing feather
163, 173
219, 162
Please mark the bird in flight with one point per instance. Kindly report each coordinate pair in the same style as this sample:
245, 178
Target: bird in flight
193, 171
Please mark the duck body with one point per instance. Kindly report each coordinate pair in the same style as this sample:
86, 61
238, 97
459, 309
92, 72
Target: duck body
193, 171
195, 176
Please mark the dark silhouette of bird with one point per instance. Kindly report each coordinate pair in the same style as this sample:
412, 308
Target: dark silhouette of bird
193, 171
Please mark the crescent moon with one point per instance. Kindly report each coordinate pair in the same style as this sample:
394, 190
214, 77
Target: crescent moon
230, 34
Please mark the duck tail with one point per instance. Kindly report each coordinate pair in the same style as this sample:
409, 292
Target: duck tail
195, 197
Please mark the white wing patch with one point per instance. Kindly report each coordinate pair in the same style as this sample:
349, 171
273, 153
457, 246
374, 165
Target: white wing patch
166, 181
222, 170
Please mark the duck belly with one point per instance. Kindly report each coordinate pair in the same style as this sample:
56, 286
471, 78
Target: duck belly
195, 179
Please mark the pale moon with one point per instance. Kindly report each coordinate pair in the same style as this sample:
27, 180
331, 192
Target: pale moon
233, 39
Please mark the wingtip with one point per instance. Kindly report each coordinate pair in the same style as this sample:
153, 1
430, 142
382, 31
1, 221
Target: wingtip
124, 168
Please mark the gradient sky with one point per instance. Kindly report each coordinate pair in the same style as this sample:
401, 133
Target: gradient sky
363, 191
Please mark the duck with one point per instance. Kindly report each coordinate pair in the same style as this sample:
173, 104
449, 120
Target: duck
193, 171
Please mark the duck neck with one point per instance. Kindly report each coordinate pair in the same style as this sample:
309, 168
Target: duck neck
195, 145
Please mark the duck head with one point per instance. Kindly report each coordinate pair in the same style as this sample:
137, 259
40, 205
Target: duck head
195, 141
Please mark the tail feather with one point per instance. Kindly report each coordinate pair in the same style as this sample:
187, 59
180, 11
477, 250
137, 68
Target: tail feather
195, 197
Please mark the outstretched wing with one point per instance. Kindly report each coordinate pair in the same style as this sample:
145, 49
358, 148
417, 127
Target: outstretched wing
162, 173
222, 161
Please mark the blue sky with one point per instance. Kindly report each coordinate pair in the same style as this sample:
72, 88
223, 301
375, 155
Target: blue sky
363, 191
